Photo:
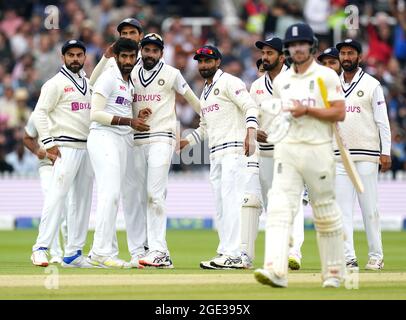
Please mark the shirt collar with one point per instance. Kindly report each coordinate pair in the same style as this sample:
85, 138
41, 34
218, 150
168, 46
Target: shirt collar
80, 74
354, 79
217, 75
309, 70
155, 68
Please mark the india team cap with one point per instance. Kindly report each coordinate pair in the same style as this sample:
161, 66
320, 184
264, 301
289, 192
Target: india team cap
329, 52
153, 38
130, 22
208, 52
73, 44
275, 43
351, 43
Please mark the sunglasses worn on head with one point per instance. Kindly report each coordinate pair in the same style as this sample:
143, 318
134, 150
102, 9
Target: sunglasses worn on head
205, 51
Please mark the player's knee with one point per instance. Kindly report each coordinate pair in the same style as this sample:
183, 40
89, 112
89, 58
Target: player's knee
327, 217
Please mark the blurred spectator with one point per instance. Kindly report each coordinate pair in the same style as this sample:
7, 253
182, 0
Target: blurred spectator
6, 55
10, 23
379, 38
22, 161
4, 165
47, 58
254, 14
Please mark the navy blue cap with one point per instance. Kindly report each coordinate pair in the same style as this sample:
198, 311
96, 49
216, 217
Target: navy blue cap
329, 52
130, 22
275, 43
153, 38
73, 44
208, 52
351, 43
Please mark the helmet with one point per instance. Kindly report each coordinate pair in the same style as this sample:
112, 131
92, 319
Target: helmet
298, 32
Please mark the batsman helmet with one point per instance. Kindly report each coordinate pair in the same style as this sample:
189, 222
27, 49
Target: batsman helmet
298, 32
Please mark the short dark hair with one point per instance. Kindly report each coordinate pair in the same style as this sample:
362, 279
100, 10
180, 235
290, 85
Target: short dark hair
125, 44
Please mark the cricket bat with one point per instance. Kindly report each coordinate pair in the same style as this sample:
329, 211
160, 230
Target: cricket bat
344, 153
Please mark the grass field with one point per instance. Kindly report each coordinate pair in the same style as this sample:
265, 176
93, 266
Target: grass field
20, 280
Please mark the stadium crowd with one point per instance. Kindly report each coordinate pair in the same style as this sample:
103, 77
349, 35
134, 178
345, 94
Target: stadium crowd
30, 50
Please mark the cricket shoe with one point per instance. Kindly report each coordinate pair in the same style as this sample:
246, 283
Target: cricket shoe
135, 260
77, 261
39, 257
157, 259
207, 264
246, 261
108, 262
226, 262
56, 260
352, 265
294, 262
331, 283
374, 264
269, 278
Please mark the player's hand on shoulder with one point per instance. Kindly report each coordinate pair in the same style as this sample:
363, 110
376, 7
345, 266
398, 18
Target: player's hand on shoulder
139, 124
261, 136
53, 153
144, 113
386, 162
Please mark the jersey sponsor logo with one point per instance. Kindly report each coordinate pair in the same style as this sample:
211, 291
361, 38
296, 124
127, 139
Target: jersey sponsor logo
213, 107
354, 109
307, 102
68, 89
147, 97
239, 91
123, 88
76, 106
259, 92
123, 101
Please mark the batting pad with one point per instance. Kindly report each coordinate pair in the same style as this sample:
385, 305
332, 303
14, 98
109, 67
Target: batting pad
250, 211
278, 231
330, 239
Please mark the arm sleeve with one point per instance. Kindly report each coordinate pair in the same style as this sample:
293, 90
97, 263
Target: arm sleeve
193, 100
97, 112
333, 85
238, 94
104, 85
198, 134
98, 70
381, 119
48, 100
30, 127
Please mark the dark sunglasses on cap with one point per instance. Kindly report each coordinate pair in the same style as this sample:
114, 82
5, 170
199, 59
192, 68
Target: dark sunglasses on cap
205, 51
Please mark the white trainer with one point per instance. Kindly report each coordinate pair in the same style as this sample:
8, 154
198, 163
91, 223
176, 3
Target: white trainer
374, 264
56, 259
294, 262
206, 264
108, 262
269, 278
226, 262
331, 283
39, 257
157, 259
246, 261
79, 262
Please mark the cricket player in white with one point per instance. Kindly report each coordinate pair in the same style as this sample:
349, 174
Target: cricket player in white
156, 85
261, 91
229, 120
110, 147
305, 155
62, 118
367, 135
34, 144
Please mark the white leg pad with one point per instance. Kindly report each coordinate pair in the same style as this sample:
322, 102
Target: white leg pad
327, 220
278, 230
250, 212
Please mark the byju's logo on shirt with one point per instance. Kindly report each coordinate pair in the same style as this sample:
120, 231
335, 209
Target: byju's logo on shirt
76, 106
147, 97
213, 107
123, 101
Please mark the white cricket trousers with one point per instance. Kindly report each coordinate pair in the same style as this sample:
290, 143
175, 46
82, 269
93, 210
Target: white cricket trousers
109, 153
228, 177
45, 174
72, 171
368, 202
266, 165
152, 163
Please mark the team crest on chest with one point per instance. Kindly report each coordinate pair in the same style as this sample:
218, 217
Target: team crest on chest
216, 91
311, 86
161, 82
360, 93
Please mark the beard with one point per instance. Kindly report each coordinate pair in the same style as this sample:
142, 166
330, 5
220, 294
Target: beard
125, 68
269, 66
74, 67
349, 67
208, 73
149, 63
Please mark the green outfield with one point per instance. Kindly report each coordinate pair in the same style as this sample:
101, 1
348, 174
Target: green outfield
20, 280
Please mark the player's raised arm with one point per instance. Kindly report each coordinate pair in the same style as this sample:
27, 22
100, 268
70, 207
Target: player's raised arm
98, 69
